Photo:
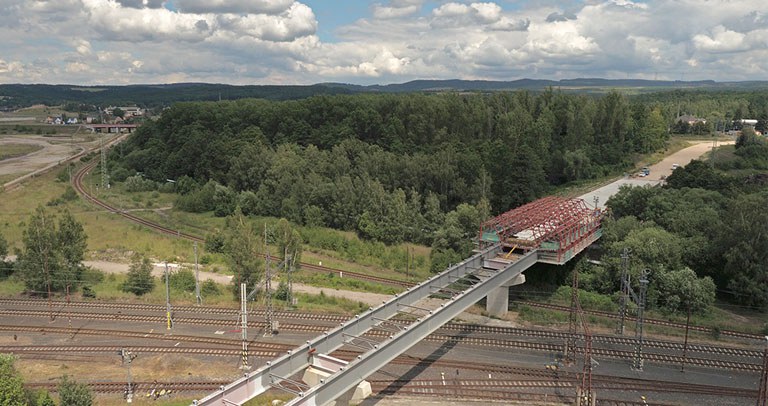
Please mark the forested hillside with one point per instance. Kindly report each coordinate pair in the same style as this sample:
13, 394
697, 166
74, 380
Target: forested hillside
387, 166
706, 221
429, 168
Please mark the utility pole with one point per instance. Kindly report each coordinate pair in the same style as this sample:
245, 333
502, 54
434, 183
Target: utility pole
69, 316
624, 290
244, 325
685, 343
762, 396
104, 175
570, 345
638, 361
268, 288
197, 279
168, 299
128, 357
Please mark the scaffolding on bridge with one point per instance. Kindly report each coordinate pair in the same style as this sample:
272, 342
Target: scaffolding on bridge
558, 227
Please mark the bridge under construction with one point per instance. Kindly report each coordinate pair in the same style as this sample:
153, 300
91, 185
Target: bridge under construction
550, 230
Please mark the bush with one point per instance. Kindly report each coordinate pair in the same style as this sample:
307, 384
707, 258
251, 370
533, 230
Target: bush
91, 276
69, 194
210, 288
140, 279
63, 175
282, 292
183, 280
88, 292
139, 184
72, 393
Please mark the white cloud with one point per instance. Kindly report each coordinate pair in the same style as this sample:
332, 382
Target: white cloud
233, 6
385, 12
720, 40
262, 41
297, 21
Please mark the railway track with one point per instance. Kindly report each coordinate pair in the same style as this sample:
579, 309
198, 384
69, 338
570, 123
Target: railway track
157, 319
77, 182
444, 336
334, 319
276, 349
572, 383
138, 387
731, 333
512, 388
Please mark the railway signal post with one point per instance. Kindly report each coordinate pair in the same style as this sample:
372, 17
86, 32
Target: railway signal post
128, 357
244, 325
168, 299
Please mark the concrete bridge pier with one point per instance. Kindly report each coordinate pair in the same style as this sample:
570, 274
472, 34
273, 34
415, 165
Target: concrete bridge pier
322, 367
497, 302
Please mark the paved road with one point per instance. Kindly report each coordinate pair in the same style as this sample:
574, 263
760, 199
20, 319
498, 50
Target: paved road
659, 172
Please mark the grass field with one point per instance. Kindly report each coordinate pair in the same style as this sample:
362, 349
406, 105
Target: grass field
15, 150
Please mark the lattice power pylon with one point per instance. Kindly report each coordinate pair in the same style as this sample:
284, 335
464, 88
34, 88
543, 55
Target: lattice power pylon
570, 344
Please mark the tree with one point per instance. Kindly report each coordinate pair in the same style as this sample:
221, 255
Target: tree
5, 267
118, 112
3, 247
72, 243
680, 290
746, 249
289, 241
11, 383
241, 247
72, 393
51, 259
40, 260
139, 279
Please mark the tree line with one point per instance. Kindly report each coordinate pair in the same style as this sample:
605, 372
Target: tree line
703, 234
387, 166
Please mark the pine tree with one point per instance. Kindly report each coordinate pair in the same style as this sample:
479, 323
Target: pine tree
139, 280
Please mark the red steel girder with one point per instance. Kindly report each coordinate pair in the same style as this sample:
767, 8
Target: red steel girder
551, 217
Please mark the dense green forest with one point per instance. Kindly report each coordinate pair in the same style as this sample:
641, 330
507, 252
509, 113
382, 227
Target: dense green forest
387, 166
428, 168
15, 96
708, 220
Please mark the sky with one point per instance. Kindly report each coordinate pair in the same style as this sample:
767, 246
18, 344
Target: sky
93, 42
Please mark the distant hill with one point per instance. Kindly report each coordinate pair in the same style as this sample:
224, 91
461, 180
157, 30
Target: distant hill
18, 95
538, 84
14, 96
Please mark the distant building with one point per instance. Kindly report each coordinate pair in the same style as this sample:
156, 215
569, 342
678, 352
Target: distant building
748, 121
691, 120
133, 111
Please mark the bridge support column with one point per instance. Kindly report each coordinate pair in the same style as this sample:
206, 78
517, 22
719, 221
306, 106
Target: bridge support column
497, 301
324, 366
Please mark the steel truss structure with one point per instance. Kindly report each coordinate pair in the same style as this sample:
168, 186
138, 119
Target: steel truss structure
558, 227
278, 373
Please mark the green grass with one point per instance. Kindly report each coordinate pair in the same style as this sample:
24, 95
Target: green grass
325, 303
15, 150
333, 281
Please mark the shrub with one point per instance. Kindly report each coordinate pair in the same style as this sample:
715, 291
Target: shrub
139, 280
72, 393
210, 288
183, 280
88, 292
139, 184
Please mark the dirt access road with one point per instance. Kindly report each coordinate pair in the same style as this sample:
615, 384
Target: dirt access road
53, 151
659, 172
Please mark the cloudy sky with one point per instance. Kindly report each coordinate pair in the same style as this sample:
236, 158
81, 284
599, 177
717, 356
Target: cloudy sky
381, 41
